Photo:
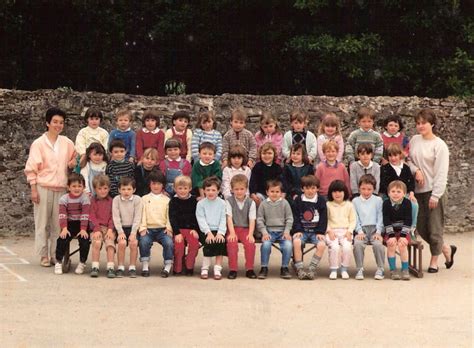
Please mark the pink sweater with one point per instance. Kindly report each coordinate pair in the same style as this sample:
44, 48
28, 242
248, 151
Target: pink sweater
327, 174
47, 167
276, 139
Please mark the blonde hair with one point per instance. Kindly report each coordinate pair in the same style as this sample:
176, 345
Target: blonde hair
330, 144
394, 149
183, 180
266, 147
124, 112
239, 179
329, 120
150, 152
100, 180
238, 114
397, 184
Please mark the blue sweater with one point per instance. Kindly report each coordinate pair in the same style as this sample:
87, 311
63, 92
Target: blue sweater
368, 213
128, 137
211, 216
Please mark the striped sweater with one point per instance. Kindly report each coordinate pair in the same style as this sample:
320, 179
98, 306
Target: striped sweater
361, 136
117, 169
74, 208
200, 136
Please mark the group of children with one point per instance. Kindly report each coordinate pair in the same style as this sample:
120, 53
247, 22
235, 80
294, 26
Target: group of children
184, 189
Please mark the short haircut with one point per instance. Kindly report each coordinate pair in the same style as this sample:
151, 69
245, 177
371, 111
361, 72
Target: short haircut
157, 176
237, 151
97, 148
274, 183
298, 115
365, 112
117, 143
172, 143
330, 119
239, 179
93, 112
296, 147
338, 186
183, 180
367, 179
310, 181
151, 115
267, 147
397, 184
330, 144
180, 114
207, 145
211, 181
124, 113
365, 148
238, 114
51, 112
100, 180
393, 118
206, 116
394, 149
427, 115
75, 177
127, 181
150, 152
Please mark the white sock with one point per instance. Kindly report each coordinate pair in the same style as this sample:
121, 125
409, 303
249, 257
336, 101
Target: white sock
132, 267
144, 265
206, 262
168, 267
110, 265
121, 267
95, 264
217, 270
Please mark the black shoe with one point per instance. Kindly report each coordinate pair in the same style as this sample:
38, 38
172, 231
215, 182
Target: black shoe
119, 273
177, 273
232, 275
132, 273
251, 274
285, 273
146, 273
263, 273
188, 272
450, 263
432, 270
164, 273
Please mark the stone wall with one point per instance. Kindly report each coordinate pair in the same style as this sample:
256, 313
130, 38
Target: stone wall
22, 121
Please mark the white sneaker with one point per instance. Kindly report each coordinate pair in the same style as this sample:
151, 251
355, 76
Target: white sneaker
58, 268
80, 268
344, 275
379, 274
360, 274
333, 275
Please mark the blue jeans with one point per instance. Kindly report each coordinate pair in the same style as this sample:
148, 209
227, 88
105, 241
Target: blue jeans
286, 247
155, 235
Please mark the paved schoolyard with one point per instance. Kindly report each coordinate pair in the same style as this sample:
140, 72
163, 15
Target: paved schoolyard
41, 309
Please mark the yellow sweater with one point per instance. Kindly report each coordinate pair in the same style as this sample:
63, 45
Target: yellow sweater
341, 215
155, 212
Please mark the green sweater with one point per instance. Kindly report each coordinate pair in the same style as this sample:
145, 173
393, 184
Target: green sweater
201, 172
359, 136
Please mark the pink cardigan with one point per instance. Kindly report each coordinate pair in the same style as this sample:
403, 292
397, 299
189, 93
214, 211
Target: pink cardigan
327, 174
276, 139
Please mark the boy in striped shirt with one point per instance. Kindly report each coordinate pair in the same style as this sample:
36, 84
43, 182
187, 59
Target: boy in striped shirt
118, 166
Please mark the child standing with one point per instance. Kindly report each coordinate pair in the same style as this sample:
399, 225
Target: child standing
124, 132
126, 214
147, 165
364, 135
73, 220
180, 132
102, 225
205, 168
393, 133
330, 129
274, 222
309, 226
93, 133
241, 216
206, 132
269, 133
238, 135
341, 225
173, 165
96, 158
294, 170
329, 170
237, 164
150, 136
155, 225
395, 169
397, 219
369, 227
182, 213
118, 166
364, 166
266, 169
210, 214
299, 135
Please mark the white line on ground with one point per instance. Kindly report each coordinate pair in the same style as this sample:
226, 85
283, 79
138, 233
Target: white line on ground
19, 277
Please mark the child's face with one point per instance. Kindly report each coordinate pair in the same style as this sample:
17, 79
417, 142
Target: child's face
338, 196
366, 190
206, 155
392, 127
56, 125
123, 123
102, 191
267, 157
211, 192
424, 128
126, 191
365, 158
394, 159
236, 162
274, 193
297, 156
93, 122
310, 191
148, 162
182, 191
239, 190
156, 187
118, 153
237, 125
330, 130
96, 157
150, 124
173, 153
207, 125
180, 124
269, 128
298, 126
76, 188
396, 194
366, 123
331, 154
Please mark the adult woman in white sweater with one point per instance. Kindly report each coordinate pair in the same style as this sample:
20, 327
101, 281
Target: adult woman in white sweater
429, 162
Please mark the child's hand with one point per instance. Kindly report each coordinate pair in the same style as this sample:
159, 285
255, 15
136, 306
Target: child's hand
178, 238
209, 238
377, 236
286, 236
224, 164
131, 159
255, 199
297, 235
97, 235
250, 164
169, 233
391, 242
403, 241
132, 238
122, 236
412, 197
194, 234
142, 233
360, 236
110, 234
320, 237
251, 238
266, 236
331, 235
139, 162
219, 238
232, 237
349, 235
384, 161
83, 234
294, 196
64, 233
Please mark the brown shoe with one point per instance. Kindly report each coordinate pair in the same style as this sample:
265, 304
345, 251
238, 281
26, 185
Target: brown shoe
45, 262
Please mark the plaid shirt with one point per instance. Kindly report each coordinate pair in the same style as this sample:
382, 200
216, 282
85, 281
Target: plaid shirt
244, 138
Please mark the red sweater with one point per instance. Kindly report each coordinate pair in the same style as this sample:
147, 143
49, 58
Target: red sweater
74, 208
100, 213
327, 174
146, 139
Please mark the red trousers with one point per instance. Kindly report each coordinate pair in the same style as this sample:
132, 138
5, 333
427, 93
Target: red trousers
193, 248
233, 249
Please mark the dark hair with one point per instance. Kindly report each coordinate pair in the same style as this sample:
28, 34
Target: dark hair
207, 145
365, 112
309, 181
338, 186
97, 148
237, 151
180, 114
365, 147
427, 115
298, 115
93, 112
126, 181
296, 147
210, 181
117, 143
51, 112
151, 115
75, 177
172, 143
368, 179
274, 183
206, 116
393, 118
157, 176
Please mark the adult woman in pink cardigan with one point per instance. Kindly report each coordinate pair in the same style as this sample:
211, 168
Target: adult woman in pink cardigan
46, 171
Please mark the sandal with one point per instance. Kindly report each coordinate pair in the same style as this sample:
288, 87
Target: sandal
45, 262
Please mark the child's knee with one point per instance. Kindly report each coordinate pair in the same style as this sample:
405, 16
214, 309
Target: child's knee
122, 244
321, 246
133, 244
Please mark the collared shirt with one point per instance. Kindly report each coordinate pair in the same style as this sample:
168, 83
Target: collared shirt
388, 135
306, 199
154, 131
397, 168
206, 164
